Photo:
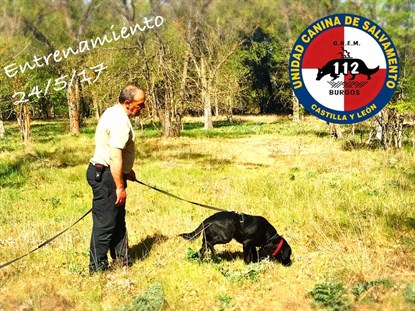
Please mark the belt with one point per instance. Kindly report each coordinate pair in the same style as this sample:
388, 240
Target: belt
98, 165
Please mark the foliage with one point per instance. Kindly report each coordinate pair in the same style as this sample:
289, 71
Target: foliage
332, 295
363, 287
225, 301
243, 46
192, 255
251, 272
409, 292
152, 299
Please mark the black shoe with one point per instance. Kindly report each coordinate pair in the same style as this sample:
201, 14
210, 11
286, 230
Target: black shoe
121, 262
101, 268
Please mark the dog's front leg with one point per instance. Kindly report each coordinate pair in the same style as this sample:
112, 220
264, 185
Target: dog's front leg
254, 254
248, 253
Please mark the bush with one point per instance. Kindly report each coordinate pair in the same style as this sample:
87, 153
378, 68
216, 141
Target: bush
410, 292
363, 287
152, 299
331, 295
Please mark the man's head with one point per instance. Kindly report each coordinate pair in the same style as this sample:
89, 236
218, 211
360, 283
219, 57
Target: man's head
132, 98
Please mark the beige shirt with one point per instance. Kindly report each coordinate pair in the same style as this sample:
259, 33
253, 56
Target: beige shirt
114, 129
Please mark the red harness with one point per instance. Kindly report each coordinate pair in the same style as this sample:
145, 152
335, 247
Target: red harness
278, 247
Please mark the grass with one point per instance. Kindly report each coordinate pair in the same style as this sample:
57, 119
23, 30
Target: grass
348, 214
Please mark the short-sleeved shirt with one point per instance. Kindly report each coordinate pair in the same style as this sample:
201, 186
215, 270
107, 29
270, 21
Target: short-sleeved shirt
114, 129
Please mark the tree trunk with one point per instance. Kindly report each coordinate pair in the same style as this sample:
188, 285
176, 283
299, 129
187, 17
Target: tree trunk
1, 129
207, 106
97, 108
166, 122
22, 114
389, 128
334, 130
229, 112
216, 104
176, 126
296, 103
183, 83
73, 97
52, 111
170, 122
296, 109
398, 130
23, 119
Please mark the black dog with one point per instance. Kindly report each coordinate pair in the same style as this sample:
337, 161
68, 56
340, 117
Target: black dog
250, 231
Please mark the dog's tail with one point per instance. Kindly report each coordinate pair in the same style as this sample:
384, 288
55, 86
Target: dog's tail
193, 235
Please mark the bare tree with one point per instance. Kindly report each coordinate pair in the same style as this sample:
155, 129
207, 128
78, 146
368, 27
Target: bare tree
74, 91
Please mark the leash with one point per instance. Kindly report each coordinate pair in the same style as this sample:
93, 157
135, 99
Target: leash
181, 199
62, 232
46, 242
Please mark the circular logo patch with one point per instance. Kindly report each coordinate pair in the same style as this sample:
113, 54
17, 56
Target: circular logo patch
344, 68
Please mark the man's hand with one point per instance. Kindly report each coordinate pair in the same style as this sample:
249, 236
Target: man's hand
121, 196
131, 176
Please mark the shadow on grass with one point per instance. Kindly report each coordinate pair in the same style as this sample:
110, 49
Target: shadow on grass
57, 127
11, 174
205, 160
321, 134
216, 124
89, 131
230, 256
141, 250
178, 152
65, 156
411, 223
400, 222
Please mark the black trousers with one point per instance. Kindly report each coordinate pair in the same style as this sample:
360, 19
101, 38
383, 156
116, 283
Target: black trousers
109, 230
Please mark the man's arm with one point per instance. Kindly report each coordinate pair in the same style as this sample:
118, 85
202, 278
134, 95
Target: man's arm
116, 172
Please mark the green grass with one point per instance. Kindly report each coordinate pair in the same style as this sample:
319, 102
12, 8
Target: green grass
348, 213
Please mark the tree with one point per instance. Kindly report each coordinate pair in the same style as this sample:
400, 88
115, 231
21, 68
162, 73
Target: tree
397, 19
11, 26
399, 22
211, 44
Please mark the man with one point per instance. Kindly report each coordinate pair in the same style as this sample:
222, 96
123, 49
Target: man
107, 173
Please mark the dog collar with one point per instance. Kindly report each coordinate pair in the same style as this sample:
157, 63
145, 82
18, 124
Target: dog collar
278, 247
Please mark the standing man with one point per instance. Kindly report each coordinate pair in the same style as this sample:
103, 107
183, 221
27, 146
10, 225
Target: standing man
107, 174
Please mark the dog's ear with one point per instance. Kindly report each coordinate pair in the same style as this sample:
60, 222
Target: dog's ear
285, 254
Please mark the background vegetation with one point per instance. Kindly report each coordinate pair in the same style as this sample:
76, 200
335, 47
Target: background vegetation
208, 57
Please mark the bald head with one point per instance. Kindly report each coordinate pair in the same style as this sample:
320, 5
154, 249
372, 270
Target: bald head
128, 93
132, 98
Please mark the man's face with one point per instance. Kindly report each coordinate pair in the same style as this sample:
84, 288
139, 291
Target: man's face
137, 104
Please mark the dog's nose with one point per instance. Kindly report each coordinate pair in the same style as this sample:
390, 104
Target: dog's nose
287, 263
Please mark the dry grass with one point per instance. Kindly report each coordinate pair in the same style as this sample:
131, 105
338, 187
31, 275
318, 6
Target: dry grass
347, 214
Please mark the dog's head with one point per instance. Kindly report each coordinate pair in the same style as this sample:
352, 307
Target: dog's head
277, 249
320, 74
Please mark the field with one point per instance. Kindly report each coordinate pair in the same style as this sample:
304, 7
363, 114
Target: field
348, 214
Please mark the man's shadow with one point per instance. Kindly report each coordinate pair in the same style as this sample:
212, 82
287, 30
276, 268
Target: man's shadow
141, 250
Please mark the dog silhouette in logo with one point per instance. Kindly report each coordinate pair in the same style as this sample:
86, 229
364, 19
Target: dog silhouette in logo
354, 66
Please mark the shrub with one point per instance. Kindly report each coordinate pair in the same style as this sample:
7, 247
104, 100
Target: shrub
410, 292
152, 299
363, 287
331, 295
